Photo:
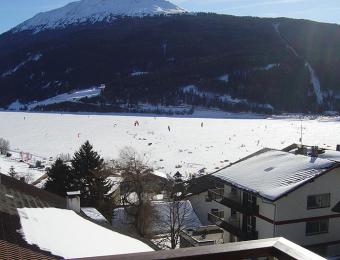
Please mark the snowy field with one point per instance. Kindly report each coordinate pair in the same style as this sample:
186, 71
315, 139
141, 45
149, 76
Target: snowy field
192, 144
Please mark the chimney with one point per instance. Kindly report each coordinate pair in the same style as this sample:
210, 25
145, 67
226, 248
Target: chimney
338, 147
315, 152
73, 201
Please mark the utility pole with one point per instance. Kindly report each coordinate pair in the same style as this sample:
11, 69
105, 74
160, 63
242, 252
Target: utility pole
301, 133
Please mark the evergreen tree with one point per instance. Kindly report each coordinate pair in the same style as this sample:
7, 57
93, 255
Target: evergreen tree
58, 178
88, 177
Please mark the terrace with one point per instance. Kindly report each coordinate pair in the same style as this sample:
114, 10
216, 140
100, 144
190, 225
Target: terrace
232, 225
232, 200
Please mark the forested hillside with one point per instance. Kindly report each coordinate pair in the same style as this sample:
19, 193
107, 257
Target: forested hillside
233, 63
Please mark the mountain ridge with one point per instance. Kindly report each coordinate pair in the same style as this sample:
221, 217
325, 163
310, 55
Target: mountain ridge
219, 61
93, 11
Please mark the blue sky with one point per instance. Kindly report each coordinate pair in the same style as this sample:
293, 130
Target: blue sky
13, 12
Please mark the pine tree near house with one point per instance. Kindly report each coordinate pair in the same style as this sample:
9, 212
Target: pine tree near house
58, 178
87, 176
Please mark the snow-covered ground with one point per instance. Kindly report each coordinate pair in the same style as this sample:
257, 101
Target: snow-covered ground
93, 11
31, 57
316, 83
192, 144
72, 96
23, 168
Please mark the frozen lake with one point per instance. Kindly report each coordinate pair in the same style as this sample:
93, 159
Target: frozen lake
170, 144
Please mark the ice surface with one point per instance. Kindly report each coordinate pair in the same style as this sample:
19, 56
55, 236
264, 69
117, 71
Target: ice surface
188, 147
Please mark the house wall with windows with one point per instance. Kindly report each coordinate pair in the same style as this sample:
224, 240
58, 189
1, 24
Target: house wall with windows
288, 216
308, 213
202, 205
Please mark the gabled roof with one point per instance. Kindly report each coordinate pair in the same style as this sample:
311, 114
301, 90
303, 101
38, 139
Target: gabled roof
94, 214
34, 224
12, 244
17, 194
160, 219
67, 234
271, 174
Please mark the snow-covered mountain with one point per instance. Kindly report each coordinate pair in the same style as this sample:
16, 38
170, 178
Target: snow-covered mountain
92, 11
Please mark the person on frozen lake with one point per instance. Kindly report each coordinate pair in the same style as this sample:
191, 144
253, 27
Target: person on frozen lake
169, 128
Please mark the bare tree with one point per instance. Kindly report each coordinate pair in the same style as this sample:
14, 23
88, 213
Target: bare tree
136, 187
4, 146
170, 218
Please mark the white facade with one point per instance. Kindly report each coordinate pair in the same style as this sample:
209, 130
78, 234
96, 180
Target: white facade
286, 217
202, 206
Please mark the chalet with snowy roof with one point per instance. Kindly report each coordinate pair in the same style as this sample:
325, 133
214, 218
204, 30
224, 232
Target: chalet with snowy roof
160, 218
273, 193
35, 224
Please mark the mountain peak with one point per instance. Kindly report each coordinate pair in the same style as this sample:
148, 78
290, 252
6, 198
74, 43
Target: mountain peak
92, 11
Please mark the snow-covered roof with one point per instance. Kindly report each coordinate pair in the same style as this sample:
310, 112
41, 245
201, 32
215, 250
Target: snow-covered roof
273, 173
163, 211
73, 193
330, 155
160, 219
66, 234
115, 181
94, 214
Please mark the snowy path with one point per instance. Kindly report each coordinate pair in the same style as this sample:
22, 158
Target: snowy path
187, 147
314, 80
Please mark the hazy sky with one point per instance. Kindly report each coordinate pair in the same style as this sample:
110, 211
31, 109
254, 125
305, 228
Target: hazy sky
13, 12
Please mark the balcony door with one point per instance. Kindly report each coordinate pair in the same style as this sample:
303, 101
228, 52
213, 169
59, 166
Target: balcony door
249, 200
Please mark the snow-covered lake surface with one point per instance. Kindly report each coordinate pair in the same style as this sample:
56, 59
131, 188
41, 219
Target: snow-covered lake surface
192, 144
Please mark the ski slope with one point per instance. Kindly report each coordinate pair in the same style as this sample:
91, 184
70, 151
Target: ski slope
191, 145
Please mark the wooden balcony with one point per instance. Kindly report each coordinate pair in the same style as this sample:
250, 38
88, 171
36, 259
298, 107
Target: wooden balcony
232, 226
232, 201
279, 248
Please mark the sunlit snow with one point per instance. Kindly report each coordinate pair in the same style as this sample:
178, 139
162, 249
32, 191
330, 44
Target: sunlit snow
64, 233
191, 144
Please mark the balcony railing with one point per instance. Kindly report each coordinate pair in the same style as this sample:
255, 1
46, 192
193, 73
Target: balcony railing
279, 248
232, 200
232, 225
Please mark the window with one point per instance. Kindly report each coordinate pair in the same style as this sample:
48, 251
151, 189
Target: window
251, 199
317, 227
249, 224
318, 201
233, 191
